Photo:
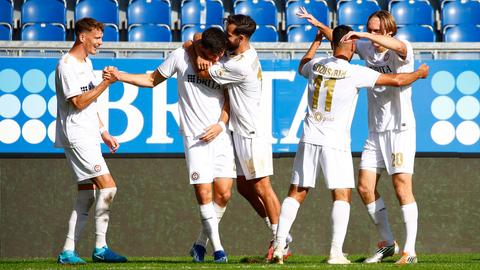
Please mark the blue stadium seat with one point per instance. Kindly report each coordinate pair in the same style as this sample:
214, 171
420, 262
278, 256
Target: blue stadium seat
461, 33
460, 12
265, 33
44, 11
110, 32
209, 12
264, 12
412, 12
5, 31
416, 33
6, 11
149, 33
149, 12
43, 32
190, 29
318, 8
301, 33
105, 11
355, 12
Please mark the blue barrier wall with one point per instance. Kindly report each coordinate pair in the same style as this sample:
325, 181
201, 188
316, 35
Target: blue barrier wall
446, 106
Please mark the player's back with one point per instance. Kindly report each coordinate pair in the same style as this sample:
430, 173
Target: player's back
333, 86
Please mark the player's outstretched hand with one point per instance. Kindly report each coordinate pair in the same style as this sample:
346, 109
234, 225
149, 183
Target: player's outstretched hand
110, 74
110, 141
352, 35
423, 70
303, 13
211, 132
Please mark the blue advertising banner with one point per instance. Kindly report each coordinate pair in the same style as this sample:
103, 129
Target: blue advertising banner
146, 120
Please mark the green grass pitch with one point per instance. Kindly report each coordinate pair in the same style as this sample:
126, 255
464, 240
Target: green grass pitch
438, 261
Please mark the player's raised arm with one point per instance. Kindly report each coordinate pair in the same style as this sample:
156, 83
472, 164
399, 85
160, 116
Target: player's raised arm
383, 40
403, 79
326, 31
81, 101
311, 51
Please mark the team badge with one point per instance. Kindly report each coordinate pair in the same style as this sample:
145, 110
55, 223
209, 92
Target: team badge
220, 72
195, 176
318, 116
97, 168
387, 55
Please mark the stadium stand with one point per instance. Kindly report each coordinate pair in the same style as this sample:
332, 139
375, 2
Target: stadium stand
5, 31
206, 12
301, 33
190, 29
355, 12
43, 32
149, 33
44, 11
264, 12
318, 8
265, 33
149, 12
461, 33
456, 12
105, 11
416, 33
407, 12
6, 11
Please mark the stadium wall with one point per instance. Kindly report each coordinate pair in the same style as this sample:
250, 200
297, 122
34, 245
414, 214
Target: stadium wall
155, 212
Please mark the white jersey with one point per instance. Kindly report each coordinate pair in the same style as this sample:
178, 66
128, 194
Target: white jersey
389, 107
200, 101
242, 75
333, 86
75, 127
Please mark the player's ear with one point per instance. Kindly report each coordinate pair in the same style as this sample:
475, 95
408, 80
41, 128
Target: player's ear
81, 37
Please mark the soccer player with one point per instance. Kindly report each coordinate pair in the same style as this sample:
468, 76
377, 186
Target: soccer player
78, 129
241, 73
203, 108
333, 85
391, 141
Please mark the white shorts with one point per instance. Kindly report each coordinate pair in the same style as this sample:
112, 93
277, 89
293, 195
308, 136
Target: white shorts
337, 166
391, 150
253, 156
86, 161
206, 161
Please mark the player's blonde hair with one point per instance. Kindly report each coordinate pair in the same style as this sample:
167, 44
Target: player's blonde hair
387, 21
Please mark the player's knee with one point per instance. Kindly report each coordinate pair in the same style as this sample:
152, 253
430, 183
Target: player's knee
365, 191
223, 197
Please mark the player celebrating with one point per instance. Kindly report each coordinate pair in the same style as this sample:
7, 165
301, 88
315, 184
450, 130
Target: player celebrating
333, 85
77, 131
208, 147
241, 73
391, 140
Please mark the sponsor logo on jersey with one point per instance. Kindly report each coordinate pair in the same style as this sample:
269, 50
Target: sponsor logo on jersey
382, 69
192, 78
322, 117
88, 87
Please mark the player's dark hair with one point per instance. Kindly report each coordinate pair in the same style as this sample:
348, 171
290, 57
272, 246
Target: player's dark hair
245, 24
214, 40
338, 33
86, 25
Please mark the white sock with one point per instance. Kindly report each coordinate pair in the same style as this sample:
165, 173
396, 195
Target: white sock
379, 215
202, 239
288, 213
102, 215
274, 228
410, 217
340, 217
79, 217
210, 225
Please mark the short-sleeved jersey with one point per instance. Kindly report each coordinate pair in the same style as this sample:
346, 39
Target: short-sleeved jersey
389, 107
242, 74
333, 86
73, 126
200, 101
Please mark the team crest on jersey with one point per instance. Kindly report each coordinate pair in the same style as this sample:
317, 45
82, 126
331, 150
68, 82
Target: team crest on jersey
386, 57
220, 72
195, 176
97, 168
